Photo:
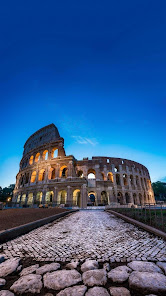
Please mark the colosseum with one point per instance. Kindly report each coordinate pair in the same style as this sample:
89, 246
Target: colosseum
48, 177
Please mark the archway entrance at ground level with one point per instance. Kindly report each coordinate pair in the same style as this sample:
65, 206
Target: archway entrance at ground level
77, 198
104, 198
91, 198
120, 198
62, 197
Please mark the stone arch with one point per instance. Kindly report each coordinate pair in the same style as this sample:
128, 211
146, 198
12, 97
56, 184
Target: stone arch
31, 160
30, 199
116, 169
77, 198
54, 152
137, 181
37, 157
38, 198
45, 155
91, 198
140, 198
102, 176
91, 174
23, 199
117, 179
120, 198
135, 198
131, 180
110, 177
41, 175
104, 198
63, 172
80, 174
125, 181
33, 177
127, 196
18, 198
51, 174
49, 197
62, 197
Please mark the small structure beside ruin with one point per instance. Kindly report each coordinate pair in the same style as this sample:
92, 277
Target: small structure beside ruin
48, 176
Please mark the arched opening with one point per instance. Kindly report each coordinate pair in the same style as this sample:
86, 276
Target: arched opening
145, 199
62, 197
117, 179
149, 184
63, 172
33, 177
37, 157
142, 184
49, 197
140, 199
137, 181
31, 160
18, 198
116, 169
54, 152
91, 174
80, 174
91, 198
45, 155
135, 198
110, 177
131, 180
102, 176
104, 198
125, 182
77, 197
51, 174
41, 175
127, 196
30, 199
23, 199
120, 198
145, 183
38, 199
26, 178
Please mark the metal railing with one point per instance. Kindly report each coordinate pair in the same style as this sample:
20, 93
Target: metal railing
150, 214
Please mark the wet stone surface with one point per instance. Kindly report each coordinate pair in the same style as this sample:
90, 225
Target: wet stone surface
87, 234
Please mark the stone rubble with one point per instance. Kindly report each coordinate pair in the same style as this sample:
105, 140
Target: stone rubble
119, 274
96, 277
119, 291
29, 270
48, 268
8, 267
30, 283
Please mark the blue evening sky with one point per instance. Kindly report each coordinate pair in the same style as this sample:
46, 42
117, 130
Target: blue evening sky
96, 69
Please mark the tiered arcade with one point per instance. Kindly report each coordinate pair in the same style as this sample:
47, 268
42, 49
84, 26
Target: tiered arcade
48, 176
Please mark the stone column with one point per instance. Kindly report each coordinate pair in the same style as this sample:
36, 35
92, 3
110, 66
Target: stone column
57, 170
84, 196
70, 167
69, 198
54, 201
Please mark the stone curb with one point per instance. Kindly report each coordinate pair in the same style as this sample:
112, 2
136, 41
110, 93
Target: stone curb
148, 228
12, 233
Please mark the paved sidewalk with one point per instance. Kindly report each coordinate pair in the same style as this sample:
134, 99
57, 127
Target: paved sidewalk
87, 234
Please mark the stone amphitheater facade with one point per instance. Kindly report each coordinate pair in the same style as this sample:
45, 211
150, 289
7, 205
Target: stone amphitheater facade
48, 176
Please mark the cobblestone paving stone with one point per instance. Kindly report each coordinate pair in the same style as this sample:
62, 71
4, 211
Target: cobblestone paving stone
87, 235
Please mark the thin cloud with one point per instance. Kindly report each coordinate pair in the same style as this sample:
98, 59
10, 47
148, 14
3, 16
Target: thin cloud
85, 141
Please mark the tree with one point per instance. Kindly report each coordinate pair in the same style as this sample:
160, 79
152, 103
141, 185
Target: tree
6, 193
159, 189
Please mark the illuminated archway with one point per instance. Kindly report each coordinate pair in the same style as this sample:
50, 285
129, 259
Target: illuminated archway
49, 197
63, 172
54, 152
91, 198
38, 199
104, 198
45, 155
37, 157
33, 177
77, 197
30, 199
31, 160
41, 175
91, 174
110, 177
120, 198
62, 197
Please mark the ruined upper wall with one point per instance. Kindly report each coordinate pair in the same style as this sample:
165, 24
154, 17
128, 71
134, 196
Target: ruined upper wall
44, 135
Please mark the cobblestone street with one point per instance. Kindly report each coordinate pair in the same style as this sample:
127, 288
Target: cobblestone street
87, 234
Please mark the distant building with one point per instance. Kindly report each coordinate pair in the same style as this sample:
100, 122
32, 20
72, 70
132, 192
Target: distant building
48, 176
